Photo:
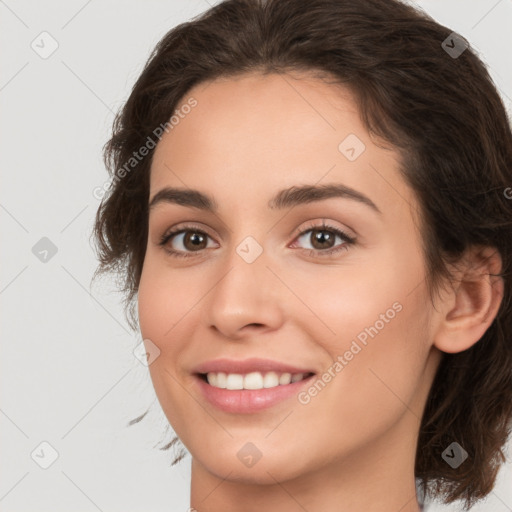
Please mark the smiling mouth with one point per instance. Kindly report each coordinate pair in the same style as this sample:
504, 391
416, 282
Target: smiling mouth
252, 380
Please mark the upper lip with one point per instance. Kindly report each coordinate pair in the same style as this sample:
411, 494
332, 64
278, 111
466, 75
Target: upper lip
248, 365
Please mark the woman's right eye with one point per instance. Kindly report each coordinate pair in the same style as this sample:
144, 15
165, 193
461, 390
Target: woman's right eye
191, 239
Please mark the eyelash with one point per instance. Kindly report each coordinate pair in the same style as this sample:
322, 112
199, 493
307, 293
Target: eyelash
312, 252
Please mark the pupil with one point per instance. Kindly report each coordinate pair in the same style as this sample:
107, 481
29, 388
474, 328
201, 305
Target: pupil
321, 237
196, 239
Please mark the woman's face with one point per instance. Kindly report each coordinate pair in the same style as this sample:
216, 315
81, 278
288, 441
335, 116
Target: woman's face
265, 287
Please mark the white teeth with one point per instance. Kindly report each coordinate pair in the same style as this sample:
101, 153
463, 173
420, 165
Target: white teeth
286, 378
253, 380
271, 380
235, 381
212, 378
221, 380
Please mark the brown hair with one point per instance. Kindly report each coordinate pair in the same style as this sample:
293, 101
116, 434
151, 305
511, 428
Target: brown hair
441, 111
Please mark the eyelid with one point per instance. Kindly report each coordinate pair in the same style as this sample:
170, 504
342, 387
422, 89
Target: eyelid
186, 226
314, 224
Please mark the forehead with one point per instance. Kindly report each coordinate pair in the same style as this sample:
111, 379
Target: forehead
260, 133
275, 108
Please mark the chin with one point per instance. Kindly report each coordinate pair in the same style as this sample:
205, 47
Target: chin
276, 465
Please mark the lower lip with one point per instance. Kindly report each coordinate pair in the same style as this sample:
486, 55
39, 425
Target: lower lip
244, 401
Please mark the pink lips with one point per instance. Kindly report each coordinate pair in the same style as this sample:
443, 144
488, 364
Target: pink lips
248, 365
244, 401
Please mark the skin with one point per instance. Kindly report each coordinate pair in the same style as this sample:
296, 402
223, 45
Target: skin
352, 447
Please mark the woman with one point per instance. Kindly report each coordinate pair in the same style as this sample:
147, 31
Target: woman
310, 210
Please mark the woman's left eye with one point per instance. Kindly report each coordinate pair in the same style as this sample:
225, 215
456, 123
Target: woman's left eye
322, 237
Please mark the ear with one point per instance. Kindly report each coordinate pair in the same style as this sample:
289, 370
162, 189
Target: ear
472, 303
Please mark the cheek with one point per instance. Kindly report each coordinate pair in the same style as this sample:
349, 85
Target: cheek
163, 318
152, 298
164, 298
378, 334
381, 349
345, 301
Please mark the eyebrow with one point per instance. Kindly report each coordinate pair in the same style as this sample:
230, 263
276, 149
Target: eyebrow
283, 199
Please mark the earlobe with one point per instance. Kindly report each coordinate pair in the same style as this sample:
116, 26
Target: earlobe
473, 301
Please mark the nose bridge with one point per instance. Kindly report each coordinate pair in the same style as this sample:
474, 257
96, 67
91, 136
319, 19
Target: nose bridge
247, 292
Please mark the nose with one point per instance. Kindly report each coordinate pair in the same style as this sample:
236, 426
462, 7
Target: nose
246, 297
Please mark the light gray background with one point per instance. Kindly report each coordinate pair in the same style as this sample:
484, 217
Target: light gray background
68, 375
